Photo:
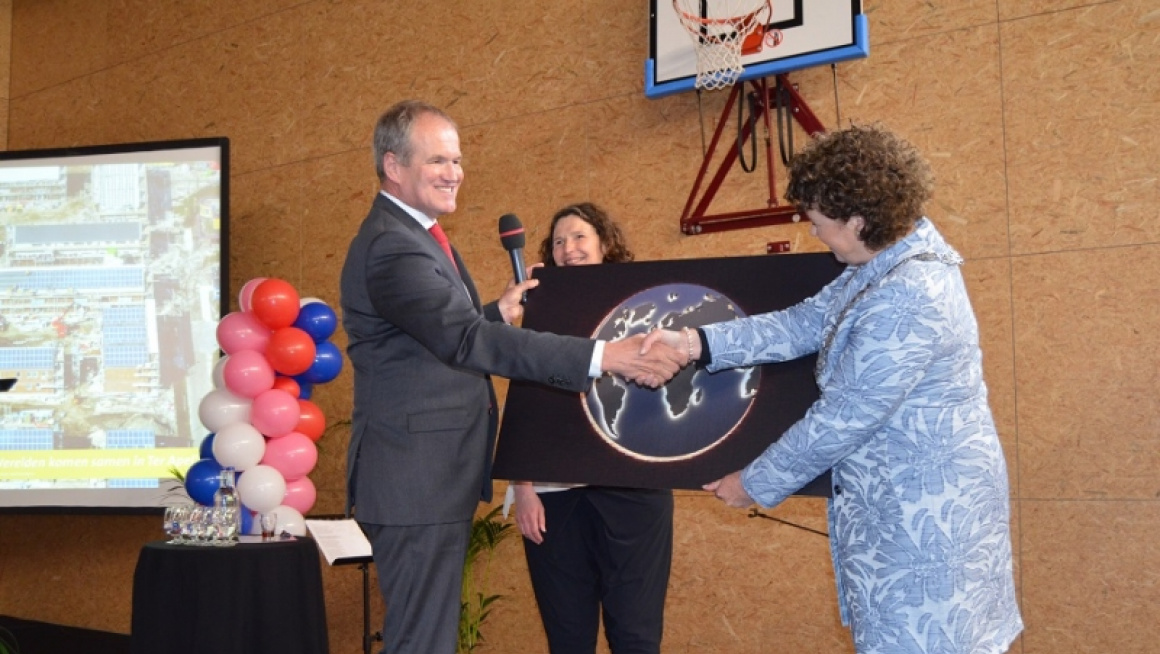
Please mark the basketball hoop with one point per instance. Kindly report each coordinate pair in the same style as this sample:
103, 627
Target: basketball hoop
728, 29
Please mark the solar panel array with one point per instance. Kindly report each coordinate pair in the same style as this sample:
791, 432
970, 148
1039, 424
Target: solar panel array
25, 439
123, 337
76, 234
75, 278
27, 358
126, 439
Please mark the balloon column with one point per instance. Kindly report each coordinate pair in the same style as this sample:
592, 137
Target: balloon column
260, 416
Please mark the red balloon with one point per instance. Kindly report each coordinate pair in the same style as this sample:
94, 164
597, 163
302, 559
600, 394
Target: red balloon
288, 384
291, 351
311, 422
275, 303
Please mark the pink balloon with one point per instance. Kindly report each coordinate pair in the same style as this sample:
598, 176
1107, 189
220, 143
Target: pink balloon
294, 455
300, 495
247, 373
247, 293
274, 413
239, 331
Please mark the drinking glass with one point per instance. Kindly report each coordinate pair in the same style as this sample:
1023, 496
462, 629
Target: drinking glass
225, 522
198, 520
212, 526
167, 521
174, 515
269, 524
189, 525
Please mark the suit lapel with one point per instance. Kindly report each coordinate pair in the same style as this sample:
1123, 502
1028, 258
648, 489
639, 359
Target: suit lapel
427, 242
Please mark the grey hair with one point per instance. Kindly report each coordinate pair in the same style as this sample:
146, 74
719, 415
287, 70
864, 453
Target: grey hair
393, 131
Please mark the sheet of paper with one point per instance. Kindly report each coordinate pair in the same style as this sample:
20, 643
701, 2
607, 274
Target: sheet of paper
257, 538
339, 539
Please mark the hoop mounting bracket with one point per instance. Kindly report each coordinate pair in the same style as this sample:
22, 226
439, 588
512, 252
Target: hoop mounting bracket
694, 219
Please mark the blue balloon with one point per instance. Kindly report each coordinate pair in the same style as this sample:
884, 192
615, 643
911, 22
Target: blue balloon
247, 520
202, 481
327, 364
206, 449
317, 320
305, 388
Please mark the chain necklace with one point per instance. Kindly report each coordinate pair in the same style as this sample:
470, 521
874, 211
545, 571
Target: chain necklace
832, 330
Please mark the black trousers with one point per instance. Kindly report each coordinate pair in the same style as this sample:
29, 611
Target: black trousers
606, 553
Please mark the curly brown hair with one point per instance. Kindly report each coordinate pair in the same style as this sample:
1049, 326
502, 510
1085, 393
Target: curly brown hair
866, 171
608, 231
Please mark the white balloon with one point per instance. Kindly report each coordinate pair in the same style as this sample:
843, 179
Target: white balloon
255, 524
239, 446
290, 521
262, 488
219, 377
307, 300
220, 408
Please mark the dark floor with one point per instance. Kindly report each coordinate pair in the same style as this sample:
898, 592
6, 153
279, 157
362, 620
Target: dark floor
44, 638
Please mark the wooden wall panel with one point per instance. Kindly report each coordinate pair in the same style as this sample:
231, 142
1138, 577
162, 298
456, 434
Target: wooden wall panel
1081, 107
1038, 118
1087, 369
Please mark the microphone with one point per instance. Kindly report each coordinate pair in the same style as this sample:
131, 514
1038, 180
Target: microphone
511, 235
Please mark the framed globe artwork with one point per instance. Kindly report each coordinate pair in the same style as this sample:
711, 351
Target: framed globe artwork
696, 428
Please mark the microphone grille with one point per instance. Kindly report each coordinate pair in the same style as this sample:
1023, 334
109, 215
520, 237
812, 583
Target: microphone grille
511, 231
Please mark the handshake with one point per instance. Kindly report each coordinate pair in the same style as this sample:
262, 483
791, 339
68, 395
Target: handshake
649, 360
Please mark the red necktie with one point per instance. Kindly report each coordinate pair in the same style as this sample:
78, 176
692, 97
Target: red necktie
441, 238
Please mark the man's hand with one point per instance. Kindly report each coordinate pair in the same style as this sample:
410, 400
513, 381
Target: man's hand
529, 512
685, 341
509, 303
653, 368
729, 490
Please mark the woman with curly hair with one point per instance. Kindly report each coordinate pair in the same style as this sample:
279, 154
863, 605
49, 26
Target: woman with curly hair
919, 517
595, 552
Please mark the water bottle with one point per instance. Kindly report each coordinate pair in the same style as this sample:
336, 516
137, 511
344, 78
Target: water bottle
226, 501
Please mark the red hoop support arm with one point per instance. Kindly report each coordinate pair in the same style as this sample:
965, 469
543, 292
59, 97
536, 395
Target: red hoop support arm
694, 219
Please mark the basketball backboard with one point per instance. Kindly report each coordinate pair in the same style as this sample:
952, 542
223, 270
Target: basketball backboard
813, 33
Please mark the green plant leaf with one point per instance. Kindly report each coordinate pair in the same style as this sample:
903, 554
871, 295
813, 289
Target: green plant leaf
487, 532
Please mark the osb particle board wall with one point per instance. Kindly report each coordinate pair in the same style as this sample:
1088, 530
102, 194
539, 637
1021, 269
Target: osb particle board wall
1039, 118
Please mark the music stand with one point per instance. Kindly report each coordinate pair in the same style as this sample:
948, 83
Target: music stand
364, 563
7, 383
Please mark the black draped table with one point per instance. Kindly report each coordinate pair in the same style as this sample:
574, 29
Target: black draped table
252, 597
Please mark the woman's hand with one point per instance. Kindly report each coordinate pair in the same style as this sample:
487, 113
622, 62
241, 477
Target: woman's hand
729, 490
529, 512
685, 341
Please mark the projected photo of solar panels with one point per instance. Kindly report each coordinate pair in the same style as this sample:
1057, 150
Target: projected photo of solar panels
110, 292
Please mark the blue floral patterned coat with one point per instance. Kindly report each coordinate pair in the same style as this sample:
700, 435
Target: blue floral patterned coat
919, 521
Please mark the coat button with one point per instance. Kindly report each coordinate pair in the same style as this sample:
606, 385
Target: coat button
837, 489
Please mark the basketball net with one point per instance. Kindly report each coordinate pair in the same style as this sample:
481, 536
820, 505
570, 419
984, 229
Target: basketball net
720, 36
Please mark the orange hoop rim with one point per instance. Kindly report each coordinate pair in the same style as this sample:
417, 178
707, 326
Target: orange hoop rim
737, 21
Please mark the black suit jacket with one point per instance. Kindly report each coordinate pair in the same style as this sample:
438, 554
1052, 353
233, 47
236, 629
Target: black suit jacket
422, 348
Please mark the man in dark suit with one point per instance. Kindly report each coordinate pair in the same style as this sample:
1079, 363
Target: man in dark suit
422, 348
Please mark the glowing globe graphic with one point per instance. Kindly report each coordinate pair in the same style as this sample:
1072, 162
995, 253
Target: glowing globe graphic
695, 410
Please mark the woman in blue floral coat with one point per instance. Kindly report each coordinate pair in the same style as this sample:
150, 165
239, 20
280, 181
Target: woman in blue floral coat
919, 520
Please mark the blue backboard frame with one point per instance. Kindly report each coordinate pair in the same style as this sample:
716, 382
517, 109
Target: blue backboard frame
857, 46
